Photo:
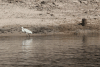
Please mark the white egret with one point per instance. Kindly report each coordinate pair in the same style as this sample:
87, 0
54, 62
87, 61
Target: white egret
26, 31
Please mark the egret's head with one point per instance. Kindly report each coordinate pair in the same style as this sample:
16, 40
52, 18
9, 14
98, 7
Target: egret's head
21, 27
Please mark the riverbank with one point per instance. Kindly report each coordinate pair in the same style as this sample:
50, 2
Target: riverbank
41, 30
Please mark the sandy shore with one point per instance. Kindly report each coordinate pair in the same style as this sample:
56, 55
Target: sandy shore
49, 17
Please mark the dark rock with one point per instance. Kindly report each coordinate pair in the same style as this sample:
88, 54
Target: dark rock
43, 2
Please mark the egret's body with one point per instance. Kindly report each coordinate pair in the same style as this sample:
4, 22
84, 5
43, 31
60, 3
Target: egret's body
26, 31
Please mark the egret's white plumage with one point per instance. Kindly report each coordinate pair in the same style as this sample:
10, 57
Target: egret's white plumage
26, 31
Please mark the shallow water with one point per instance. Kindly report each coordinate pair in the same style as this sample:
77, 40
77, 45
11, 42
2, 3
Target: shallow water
50, 51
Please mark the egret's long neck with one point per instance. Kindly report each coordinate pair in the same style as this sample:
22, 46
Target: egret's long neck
22, 28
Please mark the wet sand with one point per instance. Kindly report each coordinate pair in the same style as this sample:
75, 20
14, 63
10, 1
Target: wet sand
40, 30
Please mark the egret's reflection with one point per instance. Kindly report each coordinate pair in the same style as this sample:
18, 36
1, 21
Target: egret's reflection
26, 44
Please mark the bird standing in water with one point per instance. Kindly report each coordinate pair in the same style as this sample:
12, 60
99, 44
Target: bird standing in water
26, 31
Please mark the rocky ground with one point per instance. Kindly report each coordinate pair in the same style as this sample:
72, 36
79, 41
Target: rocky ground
49, 16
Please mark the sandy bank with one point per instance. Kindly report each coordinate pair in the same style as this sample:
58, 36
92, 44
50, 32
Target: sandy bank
35, 21
49, 17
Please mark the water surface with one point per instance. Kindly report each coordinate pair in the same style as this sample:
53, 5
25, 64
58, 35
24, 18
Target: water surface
50, 51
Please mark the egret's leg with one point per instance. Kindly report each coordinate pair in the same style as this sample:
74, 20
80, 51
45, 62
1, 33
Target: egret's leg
28, 35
